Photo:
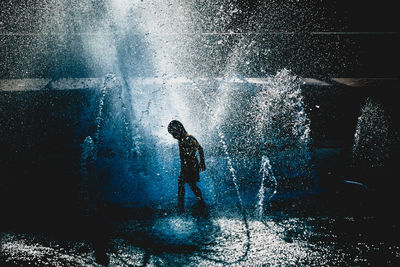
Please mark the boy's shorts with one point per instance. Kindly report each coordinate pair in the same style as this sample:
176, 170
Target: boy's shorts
190, 175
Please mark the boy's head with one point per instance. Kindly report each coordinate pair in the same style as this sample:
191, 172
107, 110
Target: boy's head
176, 129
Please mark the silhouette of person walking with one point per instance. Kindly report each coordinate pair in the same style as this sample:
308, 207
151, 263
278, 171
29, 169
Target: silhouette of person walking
190, 165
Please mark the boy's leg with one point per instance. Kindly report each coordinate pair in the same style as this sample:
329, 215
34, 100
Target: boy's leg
197, 192
181, 194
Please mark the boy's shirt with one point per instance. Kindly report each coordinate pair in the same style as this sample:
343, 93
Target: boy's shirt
188, 147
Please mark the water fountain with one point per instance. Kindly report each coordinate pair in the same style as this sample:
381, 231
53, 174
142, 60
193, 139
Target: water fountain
278, 128
269, 191
282, 129
154, 61
374, 136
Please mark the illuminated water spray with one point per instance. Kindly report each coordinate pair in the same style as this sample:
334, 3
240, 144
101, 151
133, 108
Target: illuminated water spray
283, 129
269, 191
89, 158
374, 136
227, 156
110, 148
157, 48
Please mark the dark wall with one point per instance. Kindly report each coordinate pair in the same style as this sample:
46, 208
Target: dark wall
41, 133
333, 126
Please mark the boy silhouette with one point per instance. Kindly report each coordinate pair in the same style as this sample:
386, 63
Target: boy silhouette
190, 165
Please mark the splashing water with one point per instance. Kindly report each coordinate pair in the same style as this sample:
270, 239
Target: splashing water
156, 57
280, 115
88, 159
266, 173
283, 129
373, 137
281, 109
110, 151
100, 112
227, 156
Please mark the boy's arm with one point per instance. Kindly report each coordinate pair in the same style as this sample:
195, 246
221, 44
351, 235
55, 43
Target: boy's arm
201, 153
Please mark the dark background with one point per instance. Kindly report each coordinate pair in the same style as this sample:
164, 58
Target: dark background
312, 38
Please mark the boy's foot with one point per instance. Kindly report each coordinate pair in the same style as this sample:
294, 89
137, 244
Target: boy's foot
200, 210
180, 211
202, 204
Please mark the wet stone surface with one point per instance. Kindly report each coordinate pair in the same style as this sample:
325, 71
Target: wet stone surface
214, 240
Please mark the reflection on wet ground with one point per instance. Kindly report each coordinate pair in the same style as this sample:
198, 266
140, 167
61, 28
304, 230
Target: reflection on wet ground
210, 239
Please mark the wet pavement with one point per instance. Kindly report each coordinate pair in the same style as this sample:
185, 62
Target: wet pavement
212, 239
